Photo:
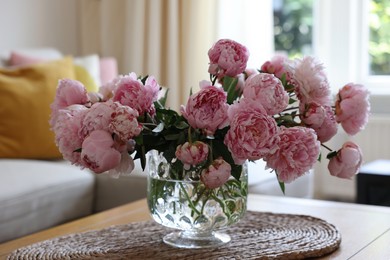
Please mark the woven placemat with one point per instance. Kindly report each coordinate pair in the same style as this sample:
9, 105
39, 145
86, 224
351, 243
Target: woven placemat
259, 235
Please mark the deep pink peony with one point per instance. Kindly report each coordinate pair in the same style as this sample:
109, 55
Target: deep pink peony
124, 122
252, 132
310, 81
192, 154
207, 109
228, 58
297, 151
347, 161
277, 66
216, 174
321, 119
131, 92
98, 153
268, 90
352, 108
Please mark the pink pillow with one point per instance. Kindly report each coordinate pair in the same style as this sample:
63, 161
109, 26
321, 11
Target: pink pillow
19, 59
108, 69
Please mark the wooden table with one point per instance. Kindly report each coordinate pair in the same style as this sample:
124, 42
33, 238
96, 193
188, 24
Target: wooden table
365, 229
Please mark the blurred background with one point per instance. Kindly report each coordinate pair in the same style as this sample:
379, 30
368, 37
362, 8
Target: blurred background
170, 39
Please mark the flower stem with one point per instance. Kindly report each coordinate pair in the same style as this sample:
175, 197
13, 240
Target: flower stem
192, 206
327, 147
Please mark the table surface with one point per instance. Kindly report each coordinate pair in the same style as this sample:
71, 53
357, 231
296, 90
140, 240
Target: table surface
365, 229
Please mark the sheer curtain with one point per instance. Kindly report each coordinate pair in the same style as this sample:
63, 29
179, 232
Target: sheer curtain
170, 38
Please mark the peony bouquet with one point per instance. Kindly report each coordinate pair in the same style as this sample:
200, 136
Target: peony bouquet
282, 113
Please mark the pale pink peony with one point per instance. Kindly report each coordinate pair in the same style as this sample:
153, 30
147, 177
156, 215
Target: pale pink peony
217, 174
98, 153
125, 167
69, 92
95, 97
252, 132
131, 92
297, 151
124, 122
310, 81
97, 118
347, 162
228, 58
321, 119
352, 108
276, 66
192, 154
66, 130
107, 90
268, 90
207, 109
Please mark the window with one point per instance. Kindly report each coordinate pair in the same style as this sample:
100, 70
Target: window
379, 37
293, 26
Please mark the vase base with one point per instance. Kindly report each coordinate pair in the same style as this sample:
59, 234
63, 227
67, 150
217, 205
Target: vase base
185, 239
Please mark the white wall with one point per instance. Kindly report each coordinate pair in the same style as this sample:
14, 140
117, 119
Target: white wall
39, 23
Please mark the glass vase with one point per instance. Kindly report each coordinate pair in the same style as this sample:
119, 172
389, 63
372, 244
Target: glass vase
198, 213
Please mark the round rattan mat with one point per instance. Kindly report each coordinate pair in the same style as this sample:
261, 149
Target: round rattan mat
260, 235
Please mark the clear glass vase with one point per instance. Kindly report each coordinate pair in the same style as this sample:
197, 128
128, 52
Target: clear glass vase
197, 212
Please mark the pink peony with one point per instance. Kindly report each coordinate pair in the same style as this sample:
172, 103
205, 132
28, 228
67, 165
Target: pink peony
124, 122
98, 153
66, 128
97, 118
131, 92
268, 90
228, 58
69, 92
252, 132
192, 154
297, 151
347, 161
352, 108
107, 90
216, 174
95, 97
310, 81
276, 66
321, 119
207, 109
125, 167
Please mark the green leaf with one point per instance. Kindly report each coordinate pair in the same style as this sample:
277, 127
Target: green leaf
282, 187
181, 125
229, 85
143, 80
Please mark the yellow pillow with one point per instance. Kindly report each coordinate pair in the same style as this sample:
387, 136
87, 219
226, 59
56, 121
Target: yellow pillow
82, 75
25, 97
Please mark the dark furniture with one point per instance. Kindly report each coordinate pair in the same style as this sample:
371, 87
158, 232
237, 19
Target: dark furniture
373, 183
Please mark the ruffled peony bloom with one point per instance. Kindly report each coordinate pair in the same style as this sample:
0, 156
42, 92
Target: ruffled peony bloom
69, 92
131, 92
252, 132
268, 90
276, 66
216, 174
98, 153
207, 109
347, 162
124, 122
97, 118
321, 119
352, 108
66, 129
228, 58
310, 81
192, 154
297, 151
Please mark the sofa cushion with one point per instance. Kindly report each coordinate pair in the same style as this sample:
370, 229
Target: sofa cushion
35, 195
25, 97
